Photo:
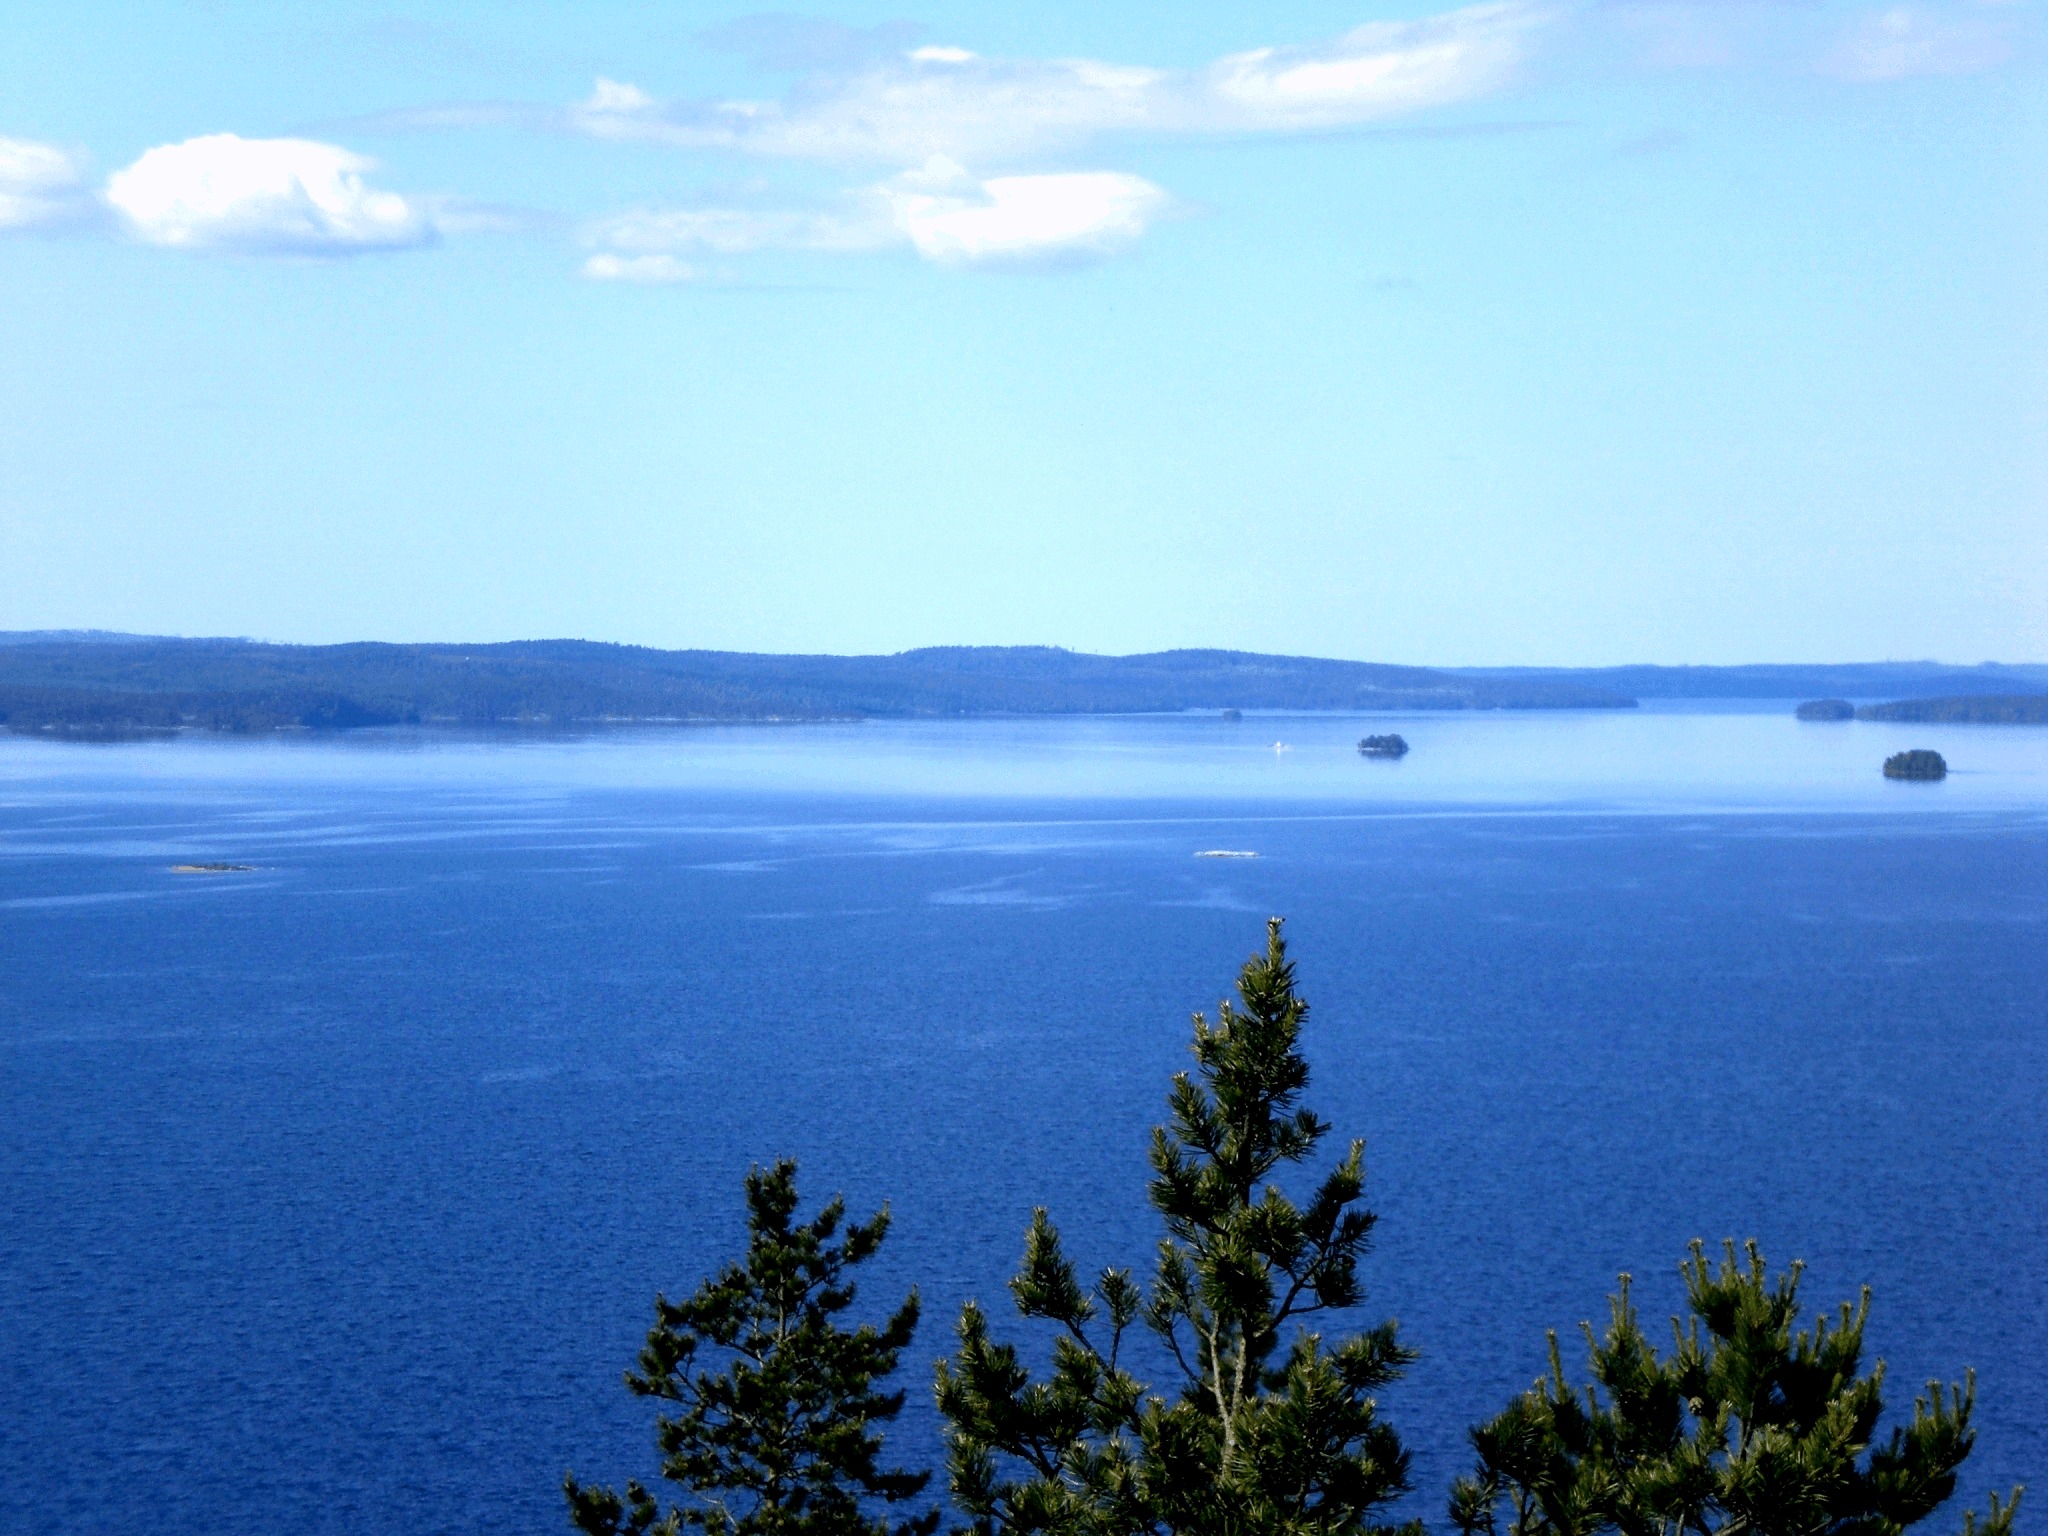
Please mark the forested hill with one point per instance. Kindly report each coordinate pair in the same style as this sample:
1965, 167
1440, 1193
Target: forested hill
94, 682
1848, 680
1965, 709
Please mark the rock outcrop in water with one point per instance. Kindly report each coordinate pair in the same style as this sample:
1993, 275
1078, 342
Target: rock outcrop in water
1826, 709
1383, 746
1920, 763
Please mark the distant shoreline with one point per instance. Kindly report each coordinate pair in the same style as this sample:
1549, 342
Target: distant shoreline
94, 686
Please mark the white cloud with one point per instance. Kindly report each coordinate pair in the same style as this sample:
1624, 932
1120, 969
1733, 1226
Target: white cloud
859, 224
939, 211
608, 267
613, 99
872, 99
950, 217
40, 186
946, 101
1908, 40
223, 192
1374, 71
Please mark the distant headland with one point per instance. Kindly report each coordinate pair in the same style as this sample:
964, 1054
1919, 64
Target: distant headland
1959, 709
96, 684
1968, 709
85, 685
1826, 709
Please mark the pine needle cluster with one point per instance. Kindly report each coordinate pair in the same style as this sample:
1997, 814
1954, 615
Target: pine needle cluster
1268, 1428
1749, 1425
1265, 1418
776, 1429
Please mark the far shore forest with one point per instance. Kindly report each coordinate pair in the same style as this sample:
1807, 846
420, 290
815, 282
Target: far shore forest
100, 686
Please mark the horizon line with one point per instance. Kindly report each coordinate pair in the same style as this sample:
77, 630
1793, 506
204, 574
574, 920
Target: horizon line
19, 637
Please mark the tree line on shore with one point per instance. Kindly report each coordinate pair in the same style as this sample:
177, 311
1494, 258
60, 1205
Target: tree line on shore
1265, 1418
62, 685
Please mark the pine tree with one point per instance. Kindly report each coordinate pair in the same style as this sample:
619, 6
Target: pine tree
775, 1434
1749, 1426
1271, 1430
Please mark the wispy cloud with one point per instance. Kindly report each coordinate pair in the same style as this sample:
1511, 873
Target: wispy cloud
941, 109
940, 211
1904, 41
41, 186
857, 222
1658, 141
778, 40
1876, 45
610, 267
950, 152
942, 100
276, 196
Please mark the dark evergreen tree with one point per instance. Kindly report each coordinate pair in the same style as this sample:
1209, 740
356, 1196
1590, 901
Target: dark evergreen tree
776, 1405
1267, 1429
1748, 1426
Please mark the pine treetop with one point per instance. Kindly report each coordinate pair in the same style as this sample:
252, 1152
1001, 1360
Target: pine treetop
775, 1432
1267, 1430
1751, 1424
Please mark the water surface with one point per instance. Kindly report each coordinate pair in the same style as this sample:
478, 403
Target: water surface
336, 1192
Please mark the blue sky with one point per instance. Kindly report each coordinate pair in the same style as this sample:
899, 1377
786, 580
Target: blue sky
1622, 330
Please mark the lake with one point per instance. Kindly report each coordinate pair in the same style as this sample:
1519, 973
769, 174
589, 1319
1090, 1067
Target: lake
336, 1192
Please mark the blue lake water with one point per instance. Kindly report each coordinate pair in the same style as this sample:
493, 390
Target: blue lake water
333, 1195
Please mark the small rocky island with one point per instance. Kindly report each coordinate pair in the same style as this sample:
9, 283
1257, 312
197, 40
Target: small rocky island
1383, 746
1920, 763
1826, 709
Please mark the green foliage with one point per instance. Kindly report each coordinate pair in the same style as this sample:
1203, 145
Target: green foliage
1748, 1426
1826, 709
1970, 708
1269, 1429
1920, 763
774, 1434
132, 682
